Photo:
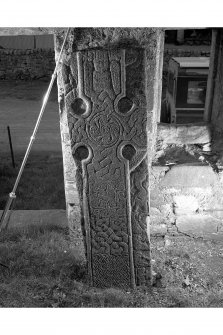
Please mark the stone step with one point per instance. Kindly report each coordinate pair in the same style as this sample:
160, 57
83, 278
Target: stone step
200, 225
190, 176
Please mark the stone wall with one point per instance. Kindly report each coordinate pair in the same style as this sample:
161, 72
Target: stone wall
186, 182
26, 64
186, 177
187, 199
39, 63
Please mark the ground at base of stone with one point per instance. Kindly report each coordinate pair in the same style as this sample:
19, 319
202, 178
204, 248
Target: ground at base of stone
42, 267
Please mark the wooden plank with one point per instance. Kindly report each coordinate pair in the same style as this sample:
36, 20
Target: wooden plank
215, 43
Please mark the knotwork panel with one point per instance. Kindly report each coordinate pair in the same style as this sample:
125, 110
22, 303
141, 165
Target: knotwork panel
106, 107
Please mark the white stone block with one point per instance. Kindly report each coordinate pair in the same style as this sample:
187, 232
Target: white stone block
185, 204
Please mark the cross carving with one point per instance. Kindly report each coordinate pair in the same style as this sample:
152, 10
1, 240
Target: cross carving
106, 106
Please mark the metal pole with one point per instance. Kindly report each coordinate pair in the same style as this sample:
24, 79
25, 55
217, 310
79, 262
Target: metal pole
5, 215
11, 148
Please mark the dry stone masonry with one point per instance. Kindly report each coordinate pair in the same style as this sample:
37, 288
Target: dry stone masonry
26, 64
16, 64
107, 94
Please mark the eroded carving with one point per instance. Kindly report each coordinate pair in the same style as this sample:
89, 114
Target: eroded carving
107, 122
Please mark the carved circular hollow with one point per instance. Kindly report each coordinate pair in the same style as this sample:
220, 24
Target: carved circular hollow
128, 151
124, 105
78, 106
81, 153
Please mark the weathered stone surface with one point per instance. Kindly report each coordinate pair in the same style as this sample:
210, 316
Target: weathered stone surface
157, 172
158, 230
166, 210
184, 134
197, 225
185, 204
18, 65
214, 237
190, 176
107, 144
85, 38
156, 216
156, 198
69, 167
9, 31
220, 227
172, 230
109, 97
214, 203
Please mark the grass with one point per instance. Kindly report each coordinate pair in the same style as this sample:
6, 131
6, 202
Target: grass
45, 270
41, 185
191, 270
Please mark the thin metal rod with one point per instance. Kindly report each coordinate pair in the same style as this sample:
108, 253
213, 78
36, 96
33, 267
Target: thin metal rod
212, 74
8, 212
12, 195
11, 148
45, 100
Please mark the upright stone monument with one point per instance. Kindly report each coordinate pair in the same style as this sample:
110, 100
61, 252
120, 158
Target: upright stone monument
108, 100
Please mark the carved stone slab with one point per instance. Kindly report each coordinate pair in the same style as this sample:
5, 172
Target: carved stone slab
106, 107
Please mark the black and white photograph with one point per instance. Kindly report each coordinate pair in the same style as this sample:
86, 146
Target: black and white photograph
111, 165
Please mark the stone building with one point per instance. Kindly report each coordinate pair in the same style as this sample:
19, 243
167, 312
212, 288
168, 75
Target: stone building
186, 176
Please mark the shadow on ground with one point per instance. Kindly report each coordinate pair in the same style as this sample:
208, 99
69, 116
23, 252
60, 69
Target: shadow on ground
41, 185
40, 267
